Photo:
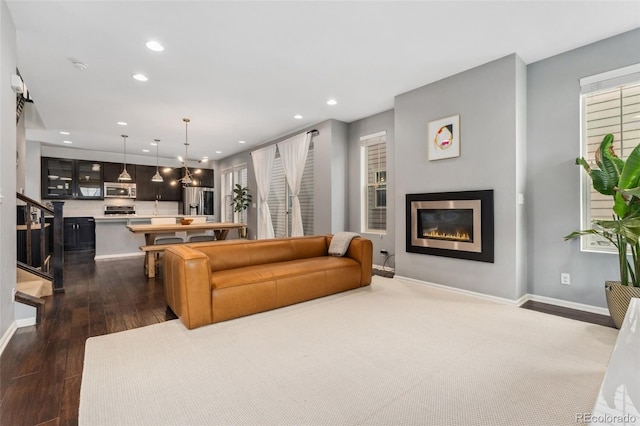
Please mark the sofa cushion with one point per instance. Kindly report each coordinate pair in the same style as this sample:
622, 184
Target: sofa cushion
276, 271
237, 254
305, 247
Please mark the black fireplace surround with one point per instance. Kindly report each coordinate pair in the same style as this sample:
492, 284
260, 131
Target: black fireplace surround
451, 224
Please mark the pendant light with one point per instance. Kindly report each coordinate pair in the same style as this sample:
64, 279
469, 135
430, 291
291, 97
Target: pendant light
125, 175
188, 177
157, 177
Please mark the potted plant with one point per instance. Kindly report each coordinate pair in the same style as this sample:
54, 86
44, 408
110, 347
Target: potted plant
240, 202
619, 179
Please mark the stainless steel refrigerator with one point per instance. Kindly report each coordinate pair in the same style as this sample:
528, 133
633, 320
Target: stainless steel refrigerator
197, 200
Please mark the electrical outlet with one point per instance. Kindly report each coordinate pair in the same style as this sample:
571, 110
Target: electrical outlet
565, 278
384, 252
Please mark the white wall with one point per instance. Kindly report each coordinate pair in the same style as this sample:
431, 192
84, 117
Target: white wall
115, 157
7, 171
32, 179
486, 100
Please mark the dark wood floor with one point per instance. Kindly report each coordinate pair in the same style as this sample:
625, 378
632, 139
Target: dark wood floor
41, 367
605, 320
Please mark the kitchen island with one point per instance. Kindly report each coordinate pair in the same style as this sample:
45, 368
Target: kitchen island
113, 238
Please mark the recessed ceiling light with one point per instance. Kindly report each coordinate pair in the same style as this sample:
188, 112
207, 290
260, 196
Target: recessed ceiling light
218, 152
242, 142
153, 143
122, 123
155, 46
140, 77
205, 158
332, 102
297, 117
64, 133
67, 142
145, 150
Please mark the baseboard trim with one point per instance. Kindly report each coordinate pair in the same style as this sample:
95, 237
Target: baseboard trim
385, 269
26, 322
116, 256
518, 302
566, 304
462, 291
6, 337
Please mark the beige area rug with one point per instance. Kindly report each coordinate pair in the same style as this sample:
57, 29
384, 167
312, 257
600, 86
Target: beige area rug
394, 353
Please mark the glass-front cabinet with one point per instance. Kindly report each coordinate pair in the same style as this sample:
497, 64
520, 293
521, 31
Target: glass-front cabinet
89, 179
64, 179
57, 178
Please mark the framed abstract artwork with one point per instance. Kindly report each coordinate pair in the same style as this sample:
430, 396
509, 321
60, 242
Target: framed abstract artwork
444, 138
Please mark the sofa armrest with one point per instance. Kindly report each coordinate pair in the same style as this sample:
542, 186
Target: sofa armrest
187, 285
361, 250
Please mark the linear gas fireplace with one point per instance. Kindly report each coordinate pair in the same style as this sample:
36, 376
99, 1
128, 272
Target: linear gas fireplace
451, 224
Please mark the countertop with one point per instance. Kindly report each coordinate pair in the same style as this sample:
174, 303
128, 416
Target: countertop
124, 217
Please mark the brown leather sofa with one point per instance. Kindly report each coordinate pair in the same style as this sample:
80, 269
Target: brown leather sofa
221, 280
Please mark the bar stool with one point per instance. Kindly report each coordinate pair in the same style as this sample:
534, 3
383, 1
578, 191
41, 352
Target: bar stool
167, 238
194, 236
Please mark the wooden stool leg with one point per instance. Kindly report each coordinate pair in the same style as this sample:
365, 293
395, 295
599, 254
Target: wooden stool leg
151, 264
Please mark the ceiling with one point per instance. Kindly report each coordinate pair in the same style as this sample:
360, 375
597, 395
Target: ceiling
242, 70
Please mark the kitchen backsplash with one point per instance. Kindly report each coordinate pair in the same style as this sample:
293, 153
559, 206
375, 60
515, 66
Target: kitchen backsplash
96, 207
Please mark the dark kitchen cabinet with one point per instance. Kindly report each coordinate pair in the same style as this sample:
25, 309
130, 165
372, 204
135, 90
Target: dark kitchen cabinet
168, 190
71, 179
113, 170
172, 188
79, 233
203, 177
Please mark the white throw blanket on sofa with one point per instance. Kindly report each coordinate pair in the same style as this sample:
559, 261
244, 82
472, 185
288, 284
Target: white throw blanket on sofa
340, 243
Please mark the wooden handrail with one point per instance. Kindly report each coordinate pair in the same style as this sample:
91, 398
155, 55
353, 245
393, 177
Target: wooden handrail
58, 237
32, 270
34, 203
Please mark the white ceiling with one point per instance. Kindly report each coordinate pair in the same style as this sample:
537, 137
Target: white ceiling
241, 70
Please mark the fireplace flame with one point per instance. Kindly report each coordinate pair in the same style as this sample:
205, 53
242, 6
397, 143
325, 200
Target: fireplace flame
457, 236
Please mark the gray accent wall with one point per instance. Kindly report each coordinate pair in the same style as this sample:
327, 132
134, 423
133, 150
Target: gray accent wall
368, 126
339, 182
487, 99
553, 207
521, 265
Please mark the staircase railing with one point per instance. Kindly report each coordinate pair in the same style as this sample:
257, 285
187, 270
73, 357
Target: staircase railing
51, 266
20, 100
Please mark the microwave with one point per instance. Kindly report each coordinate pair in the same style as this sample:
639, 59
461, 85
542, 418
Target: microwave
119, 190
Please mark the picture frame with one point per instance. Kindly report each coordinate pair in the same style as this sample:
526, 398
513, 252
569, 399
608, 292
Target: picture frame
443, 140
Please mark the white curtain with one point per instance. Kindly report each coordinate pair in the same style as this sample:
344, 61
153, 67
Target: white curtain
262, 165
293, 152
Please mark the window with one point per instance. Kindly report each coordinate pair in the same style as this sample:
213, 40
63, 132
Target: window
610, 104
374, 182
279, 192
230, 177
